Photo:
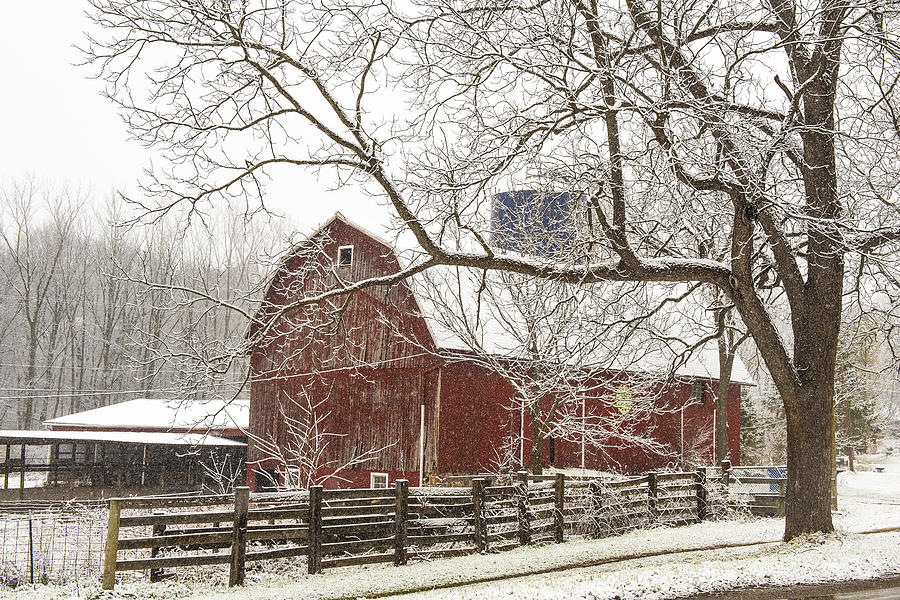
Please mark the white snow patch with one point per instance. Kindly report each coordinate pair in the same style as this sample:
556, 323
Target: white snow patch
868, 499
812, 559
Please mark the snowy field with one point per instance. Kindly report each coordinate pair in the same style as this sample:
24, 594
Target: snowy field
642, 569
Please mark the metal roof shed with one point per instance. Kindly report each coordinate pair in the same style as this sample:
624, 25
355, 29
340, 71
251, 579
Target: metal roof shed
106, 463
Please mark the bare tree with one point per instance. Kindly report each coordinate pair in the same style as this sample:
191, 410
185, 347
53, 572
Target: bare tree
105, 313
729, 340
301, 451
37, 228
773, 121
567, 368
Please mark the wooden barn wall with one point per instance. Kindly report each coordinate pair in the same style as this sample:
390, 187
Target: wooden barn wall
466, 423
363, 414
369, 369
474, 420
377, 325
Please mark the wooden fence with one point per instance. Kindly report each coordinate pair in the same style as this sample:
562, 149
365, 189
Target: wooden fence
761, 488
334, 528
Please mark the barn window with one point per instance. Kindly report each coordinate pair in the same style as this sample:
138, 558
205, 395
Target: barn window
378, 480
345, 256
65, 452
698, 392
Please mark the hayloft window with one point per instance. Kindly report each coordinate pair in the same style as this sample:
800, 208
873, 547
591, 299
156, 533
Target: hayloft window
345, 256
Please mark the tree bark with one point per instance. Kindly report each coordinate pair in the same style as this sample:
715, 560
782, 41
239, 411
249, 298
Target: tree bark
810, 431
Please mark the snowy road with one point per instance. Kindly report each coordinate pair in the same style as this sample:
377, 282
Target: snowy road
884, 589
812, 559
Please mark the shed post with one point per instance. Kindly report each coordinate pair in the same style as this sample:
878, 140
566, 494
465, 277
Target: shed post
6, 469
22, 473
651, 496
596, 495
400, 521
702, 506
558, 514
112, 544
144, 466
522, 505
478, 511
314, 541
120, 470
239, 536
54, 464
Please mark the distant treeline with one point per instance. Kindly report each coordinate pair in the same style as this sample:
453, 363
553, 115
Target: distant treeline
94, 311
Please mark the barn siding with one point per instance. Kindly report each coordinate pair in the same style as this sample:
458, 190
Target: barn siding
367, 371
374, 370
474, 419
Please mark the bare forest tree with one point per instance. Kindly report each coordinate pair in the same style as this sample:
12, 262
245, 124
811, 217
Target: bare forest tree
85, 323
38, 228
774, 123
729, 340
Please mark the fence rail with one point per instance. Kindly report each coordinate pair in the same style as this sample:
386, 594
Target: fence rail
333, 528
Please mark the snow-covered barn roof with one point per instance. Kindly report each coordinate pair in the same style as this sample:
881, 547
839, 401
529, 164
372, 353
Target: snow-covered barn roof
162, 415
14, 436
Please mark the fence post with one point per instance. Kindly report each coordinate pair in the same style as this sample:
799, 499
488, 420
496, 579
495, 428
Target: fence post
702, 505
596, 505
112, 544
559, 521
524, 517
239, 536
400, 521
159, 530
651, 497
480, 523
314, 539
726, 474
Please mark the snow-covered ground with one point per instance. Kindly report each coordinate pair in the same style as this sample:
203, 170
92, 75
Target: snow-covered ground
867, 500
810, 560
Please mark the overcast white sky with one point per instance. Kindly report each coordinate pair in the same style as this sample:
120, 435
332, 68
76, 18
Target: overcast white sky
56, 125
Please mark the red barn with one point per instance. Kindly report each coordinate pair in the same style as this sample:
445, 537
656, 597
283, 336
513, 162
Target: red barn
356, 391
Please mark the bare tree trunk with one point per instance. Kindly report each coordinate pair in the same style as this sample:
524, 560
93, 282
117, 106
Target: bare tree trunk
538, 439
809, 444
726, 363
30, 375
849, 433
